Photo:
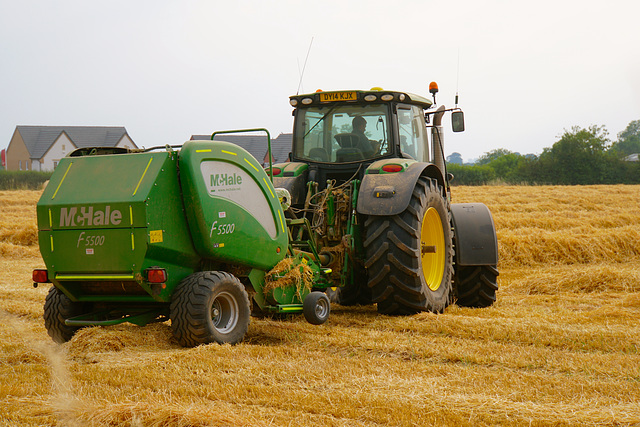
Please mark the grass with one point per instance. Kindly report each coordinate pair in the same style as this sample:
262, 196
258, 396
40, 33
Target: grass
560, 346
23, 180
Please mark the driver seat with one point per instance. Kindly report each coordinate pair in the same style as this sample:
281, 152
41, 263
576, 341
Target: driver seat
349, 151
347, 140
319, 154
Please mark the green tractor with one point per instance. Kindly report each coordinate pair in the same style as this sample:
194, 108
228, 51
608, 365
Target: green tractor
367, 172
202, 235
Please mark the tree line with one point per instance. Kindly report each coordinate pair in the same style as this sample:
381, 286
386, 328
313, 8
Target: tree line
582, 156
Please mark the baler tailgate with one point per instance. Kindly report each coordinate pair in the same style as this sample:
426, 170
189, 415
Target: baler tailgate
104, 220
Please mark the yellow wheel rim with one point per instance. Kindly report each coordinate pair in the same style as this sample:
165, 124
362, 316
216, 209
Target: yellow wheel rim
432, 249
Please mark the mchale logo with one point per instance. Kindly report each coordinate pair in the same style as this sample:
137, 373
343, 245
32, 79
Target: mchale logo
69, 217
221, 179
225, 182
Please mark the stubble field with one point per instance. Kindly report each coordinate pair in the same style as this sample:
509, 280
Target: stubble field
560, 346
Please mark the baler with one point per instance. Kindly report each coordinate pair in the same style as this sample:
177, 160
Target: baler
188, 235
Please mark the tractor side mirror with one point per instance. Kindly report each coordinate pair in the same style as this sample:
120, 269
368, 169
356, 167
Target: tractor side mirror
457, 121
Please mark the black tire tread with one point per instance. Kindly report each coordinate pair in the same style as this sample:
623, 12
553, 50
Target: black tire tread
57, 308
190, 308
476, 286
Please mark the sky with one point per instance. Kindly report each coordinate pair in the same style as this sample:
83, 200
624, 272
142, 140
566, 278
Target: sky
525, 71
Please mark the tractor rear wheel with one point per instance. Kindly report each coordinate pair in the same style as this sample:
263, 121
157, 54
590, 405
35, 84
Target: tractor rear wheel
476, 286
57, 308
410, 255
210, 306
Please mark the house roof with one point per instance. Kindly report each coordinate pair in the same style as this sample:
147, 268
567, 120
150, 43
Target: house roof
281, 147
257, 144
38, 139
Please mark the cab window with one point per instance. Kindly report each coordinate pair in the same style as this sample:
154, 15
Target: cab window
342, 133
413, 132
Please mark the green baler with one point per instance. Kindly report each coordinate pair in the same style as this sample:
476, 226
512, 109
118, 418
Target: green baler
188, 235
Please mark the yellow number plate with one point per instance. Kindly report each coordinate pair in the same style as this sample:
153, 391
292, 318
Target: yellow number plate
338, 96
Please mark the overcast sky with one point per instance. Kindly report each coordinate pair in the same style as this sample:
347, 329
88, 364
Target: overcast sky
525, 71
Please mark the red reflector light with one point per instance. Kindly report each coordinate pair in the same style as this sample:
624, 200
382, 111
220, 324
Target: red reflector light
156, 275
40, 276
392, 168
277, 171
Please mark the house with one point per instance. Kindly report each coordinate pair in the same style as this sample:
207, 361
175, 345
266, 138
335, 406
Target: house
632, 157
40, 148
257, 145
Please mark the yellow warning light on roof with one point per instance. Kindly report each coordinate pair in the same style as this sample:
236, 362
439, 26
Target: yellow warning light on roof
433, 87
376, 88
318, 90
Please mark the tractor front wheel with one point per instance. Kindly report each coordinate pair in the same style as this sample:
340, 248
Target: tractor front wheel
208, 307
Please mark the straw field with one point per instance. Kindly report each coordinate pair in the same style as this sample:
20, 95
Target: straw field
560, 346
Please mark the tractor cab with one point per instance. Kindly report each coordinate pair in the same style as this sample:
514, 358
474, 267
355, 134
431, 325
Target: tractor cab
340, 133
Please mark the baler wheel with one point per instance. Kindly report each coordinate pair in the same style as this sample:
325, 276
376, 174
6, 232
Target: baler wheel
410, 255
316, 308
210, 306
57, 308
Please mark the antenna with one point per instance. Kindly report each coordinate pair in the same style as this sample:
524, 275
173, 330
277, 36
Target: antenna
457, 77
304, 66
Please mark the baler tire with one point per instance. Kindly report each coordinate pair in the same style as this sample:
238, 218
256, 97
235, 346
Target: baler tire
396, 250
57, 308
316, 308
476, 286
210, 306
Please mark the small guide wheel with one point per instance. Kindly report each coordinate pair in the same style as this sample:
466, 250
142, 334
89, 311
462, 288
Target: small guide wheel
316, 308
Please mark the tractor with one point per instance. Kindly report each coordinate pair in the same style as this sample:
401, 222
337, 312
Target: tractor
202, 235
367, 172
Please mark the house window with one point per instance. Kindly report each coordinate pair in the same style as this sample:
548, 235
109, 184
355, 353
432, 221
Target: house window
55, 164
19, 165
63, 148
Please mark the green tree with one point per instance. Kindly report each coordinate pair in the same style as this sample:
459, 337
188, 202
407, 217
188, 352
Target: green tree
507, 167
628, 140
492, 155
455, 158
471, 174
579, 157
